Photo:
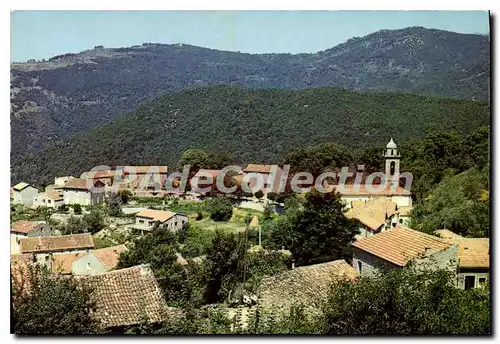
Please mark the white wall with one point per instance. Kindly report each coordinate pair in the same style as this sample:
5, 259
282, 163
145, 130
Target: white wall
14, 245
81, 197
25, 196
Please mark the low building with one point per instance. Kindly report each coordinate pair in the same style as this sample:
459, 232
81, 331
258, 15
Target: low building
128, 297
98, 261
61, 181
79, 191
374, 216
306, 286
144, 178
397, 247
146, 220
473, 259
24, 194
50, 199
271, 181
23, 229
44, 248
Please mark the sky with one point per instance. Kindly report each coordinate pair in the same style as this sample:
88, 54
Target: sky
43, 34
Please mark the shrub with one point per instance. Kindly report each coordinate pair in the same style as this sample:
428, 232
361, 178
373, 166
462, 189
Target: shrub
220, 209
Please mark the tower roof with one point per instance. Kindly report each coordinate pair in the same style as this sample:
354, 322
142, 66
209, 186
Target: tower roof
391, 144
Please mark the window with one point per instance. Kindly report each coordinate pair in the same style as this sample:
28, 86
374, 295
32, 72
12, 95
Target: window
141, 221
482, 280
470, 282
393, 168
400, 220
360, 265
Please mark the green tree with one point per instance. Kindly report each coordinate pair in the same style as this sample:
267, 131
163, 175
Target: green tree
268, 212
372, 159
114, 205
406, 302
226, 265
125, 196
94, 221
43, 303
197, 158
315, 230
75, 225
77, 208
220, 209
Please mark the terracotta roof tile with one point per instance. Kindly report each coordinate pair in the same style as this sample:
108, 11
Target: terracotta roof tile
77, 183
63, 263
308, 285
376, 190
472, 252
127, 297
373, 213
400, 245
109, 256
447, 234
258, 168
145, 169
25, 227
56, 243
155, 215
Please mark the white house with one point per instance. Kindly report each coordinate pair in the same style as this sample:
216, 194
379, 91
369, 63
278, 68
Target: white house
98, 261
80, 191
146, 220
61, 181
22, 229
24, 194
50, 199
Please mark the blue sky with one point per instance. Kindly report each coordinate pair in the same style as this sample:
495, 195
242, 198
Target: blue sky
43, 34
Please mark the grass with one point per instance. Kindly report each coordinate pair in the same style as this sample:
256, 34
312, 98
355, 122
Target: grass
235, 224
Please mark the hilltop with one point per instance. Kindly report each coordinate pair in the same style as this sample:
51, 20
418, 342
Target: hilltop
71, 93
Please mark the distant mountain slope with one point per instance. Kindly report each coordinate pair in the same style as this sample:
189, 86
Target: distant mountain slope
74, 92
255, 125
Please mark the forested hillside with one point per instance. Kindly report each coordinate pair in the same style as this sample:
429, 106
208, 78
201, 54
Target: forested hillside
74, 92
258, 126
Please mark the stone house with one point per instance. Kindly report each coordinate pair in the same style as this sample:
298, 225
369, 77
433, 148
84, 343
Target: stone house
374, 216
61, 181
397, 247
24, 229
98, 261
473, 259
79, 191
306, 286
50, 199
44, 249
146, 219
24, 194
140, 298
144, 178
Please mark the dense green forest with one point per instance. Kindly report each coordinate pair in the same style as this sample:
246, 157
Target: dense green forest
70, 93
258, 126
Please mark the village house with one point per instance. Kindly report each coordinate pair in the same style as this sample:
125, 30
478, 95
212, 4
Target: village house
306, 286
98, 261
49, 199
23, 229
473, 259
79, 191
397, 247
24, 194
265, 171
61, 181
144, 178
43, 249
128, 297
146, 219
201, 179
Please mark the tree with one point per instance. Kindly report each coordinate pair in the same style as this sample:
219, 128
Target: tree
197, 158
406, 302
220, 209
49, 304
372, 159
125, 196
114, 205
268, 212
225, 260
77, 208
315, 230
75, 225
94, 221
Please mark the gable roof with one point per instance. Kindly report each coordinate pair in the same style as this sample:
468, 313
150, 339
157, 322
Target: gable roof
127, 296
25, 227
109, 256
472, 252
375, 190
21, 186
258, 168
77, 183
63, 263
56, 243
372, 213
155, 215
308, 285
400, 245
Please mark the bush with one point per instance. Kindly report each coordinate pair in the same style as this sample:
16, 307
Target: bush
220, 209
259, 194
77, 208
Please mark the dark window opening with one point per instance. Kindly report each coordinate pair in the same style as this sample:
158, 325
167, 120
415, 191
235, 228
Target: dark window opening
470, 282
359, 266
393, 168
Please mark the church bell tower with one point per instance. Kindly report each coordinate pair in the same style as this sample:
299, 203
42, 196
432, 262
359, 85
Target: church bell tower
392, 159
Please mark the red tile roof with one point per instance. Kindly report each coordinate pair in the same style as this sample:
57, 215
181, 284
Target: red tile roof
127, 297
258, 168
25, 227
155, 215
400, 245
56, 243
109, 256
63, 263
